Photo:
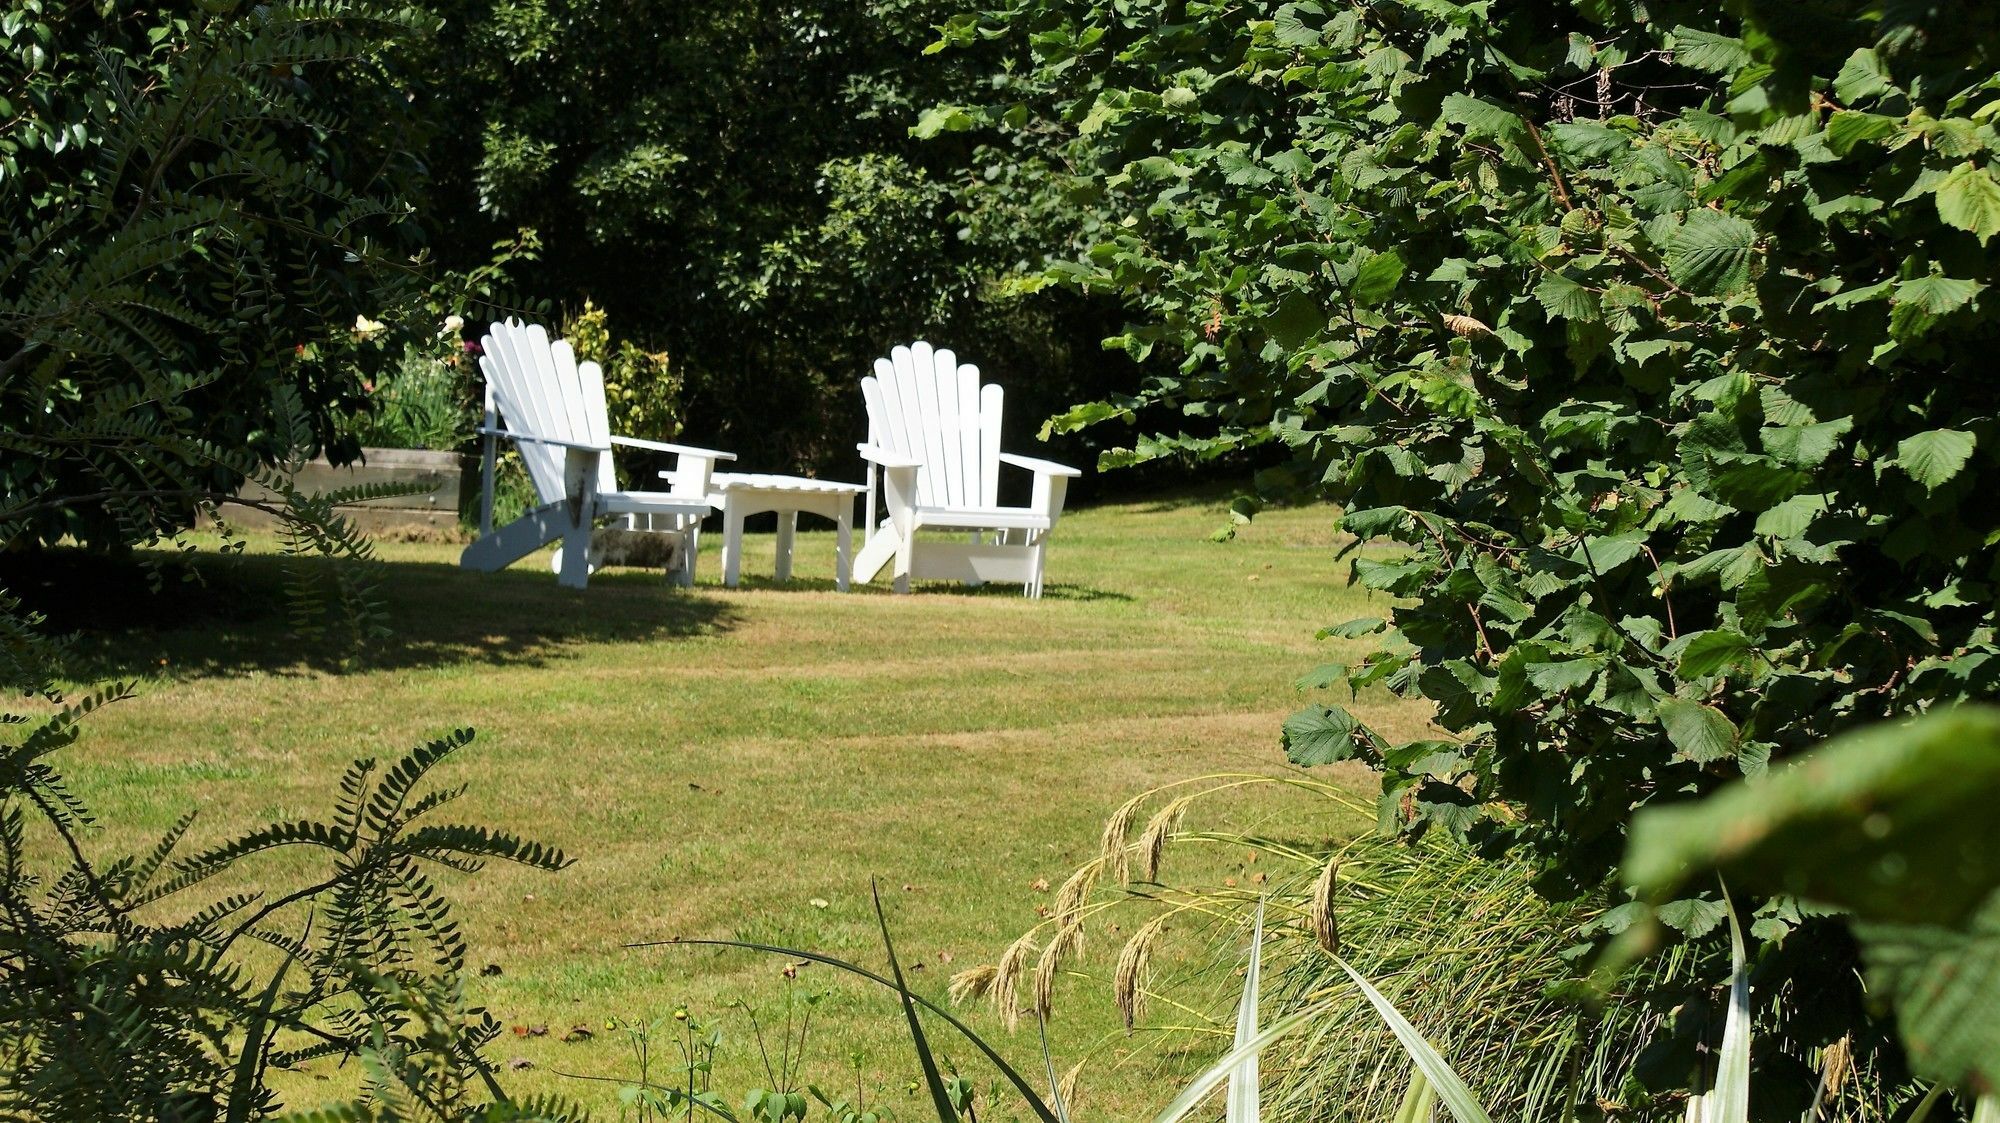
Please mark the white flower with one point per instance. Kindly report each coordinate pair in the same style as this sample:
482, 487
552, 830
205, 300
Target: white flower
365, 327
453, 325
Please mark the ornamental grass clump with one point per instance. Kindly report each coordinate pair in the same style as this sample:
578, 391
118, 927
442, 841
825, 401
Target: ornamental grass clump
1656, 336
1494, 975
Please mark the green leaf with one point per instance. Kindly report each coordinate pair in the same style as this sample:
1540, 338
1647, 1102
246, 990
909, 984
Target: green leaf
1805, 446
1931, 458
1320, 735
1377, 278
1705, 50
942, 119
1692, 916
1862, 76
1322, 676
1711, 252
1241, 170
1418, 1101
1969, 198
1689, 505
1570, 674
1198, 1089
1700, 733
1353, 629
1450, 1086
1893, 822
1792, 517
1296, 320
1731, 1103
1291, 28
1482, 118
1589, 140
1938, 295
1944, 983
1243, 1103
1602, 554
1848, 128
1707, 653
1565, 299
933, 1078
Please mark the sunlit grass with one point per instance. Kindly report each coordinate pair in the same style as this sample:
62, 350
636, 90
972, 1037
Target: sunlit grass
740, 763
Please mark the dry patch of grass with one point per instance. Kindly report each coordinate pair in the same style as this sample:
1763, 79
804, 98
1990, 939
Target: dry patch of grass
741, 763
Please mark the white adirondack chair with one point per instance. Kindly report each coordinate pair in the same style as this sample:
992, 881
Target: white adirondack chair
934, 441
554, 411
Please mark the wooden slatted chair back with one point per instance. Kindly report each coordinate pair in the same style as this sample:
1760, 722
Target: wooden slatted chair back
542, 391
923, 403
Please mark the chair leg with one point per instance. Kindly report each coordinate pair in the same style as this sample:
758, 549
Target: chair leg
843, 545
732, 544
788, 528
904, 548
575, 572
878, 548
690, 547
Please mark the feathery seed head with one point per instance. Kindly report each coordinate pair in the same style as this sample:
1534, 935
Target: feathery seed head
1325, 928
1111, 849
1153, 840
1070, 897
1007, 979
1129, 979
973, 983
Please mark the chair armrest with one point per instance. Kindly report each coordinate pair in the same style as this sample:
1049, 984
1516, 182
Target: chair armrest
1039, 467
679, 450
515, 435
888, 458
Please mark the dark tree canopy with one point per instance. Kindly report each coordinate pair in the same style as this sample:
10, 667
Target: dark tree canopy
193, 196
736, 183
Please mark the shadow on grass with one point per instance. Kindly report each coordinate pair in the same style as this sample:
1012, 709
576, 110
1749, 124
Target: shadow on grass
881, 587
229, 615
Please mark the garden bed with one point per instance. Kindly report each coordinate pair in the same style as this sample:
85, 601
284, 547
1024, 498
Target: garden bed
444, 475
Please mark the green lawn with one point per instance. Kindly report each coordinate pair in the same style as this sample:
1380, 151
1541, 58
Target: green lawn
741, 763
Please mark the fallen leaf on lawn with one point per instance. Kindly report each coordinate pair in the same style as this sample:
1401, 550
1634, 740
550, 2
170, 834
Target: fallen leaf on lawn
490, 970
520, 1063
578, 1033
944, 957
1229, 881
1259, 878
818, 902
1039, 885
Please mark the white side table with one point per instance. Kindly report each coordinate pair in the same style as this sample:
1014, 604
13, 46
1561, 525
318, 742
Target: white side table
741, 494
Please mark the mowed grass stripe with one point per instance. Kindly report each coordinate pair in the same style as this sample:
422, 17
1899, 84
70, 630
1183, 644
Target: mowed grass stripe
726, 762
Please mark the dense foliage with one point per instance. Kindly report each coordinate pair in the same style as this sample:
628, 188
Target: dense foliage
199, 202
1890, 824
1656, 334
160, 986
734, 182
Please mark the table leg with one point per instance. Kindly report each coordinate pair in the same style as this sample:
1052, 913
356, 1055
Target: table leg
732, 542
788, 526
843, 522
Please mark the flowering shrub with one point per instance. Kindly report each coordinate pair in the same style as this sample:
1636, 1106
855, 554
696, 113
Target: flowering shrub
642, 390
